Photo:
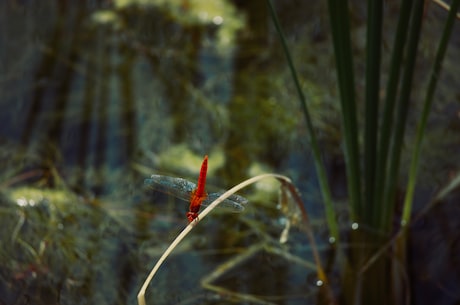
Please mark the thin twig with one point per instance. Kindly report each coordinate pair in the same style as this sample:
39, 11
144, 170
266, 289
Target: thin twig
445, 6
202, 215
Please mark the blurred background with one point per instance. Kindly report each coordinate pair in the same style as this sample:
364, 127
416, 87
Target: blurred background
98, 95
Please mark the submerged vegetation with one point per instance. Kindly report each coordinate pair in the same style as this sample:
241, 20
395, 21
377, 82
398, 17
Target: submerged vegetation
99, 95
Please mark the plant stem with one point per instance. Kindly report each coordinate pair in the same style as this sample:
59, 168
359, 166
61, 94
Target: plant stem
284, 180
338, 10
374, 37
390, 101
401, 116
320, 170
426, 110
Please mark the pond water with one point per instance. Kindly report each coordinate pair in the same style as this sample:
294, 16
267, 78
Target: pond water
97, 96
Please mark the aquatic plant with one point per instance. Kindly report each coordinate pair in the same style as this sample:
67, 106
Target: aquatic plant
375, 274
291, 194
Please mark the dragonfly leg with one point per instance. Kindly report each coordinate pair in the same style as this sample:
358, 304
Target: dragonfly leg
191, 216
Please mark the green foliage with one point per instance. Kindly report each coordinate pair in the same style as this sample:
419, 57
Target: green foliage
330, 214
372, 183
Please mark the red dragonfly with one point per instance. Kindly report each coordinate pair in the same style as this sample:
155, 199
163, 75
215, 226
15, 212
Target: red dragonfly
194, 193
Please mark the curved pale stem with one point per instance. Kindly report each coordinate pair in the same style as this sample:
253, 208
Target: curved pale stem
283, 179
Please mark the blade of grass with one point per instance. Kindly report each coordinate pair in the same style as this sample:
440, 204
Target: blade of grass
390, 101
282, 179
373, 48
340, 26
320, 170
445, 6
374, 39
426, 110
401, 117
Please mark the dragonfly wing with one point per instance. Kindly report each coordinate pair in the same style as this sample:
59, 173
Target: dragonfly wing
234, 202
183, 189
173, 186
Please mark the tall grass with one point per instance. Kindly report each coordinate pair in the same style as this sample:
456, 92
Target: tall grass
372, 183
